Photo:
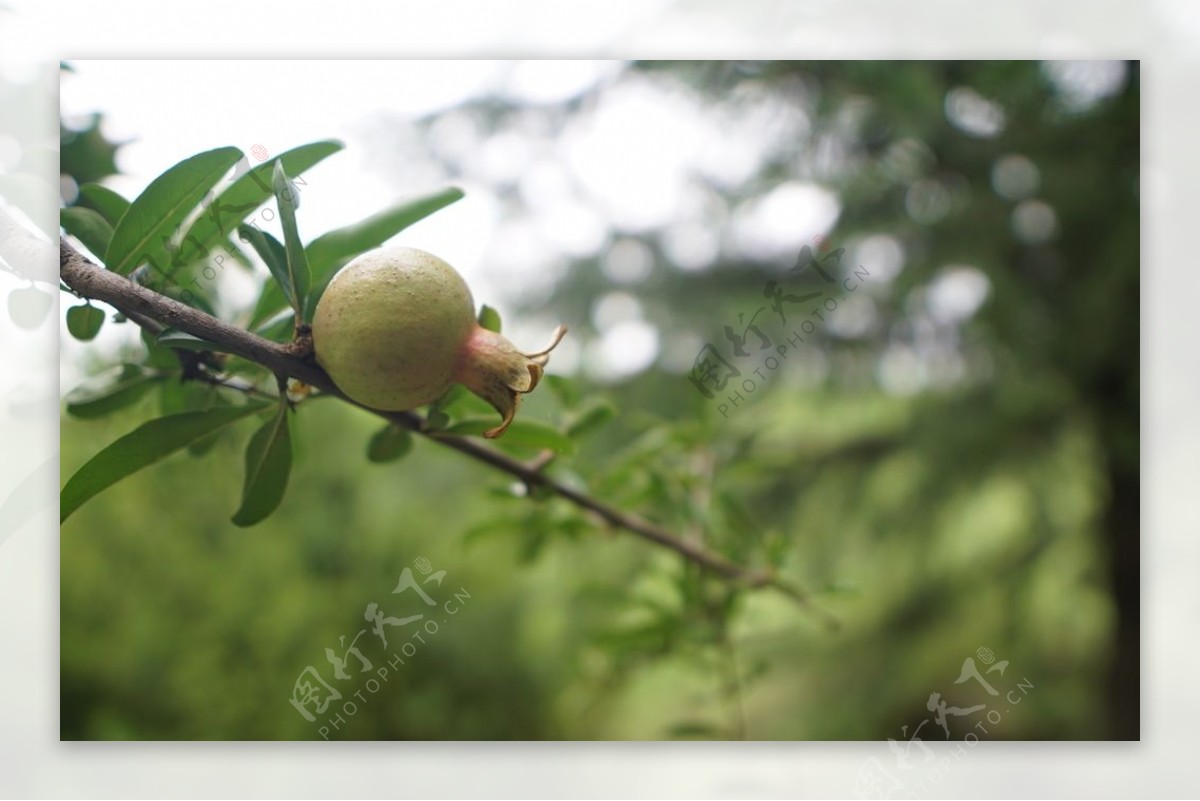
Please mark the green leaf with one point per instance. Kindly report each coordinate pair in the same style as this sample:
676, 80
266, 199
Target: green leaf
591, 416
526, 433
489, 319
455, 402
178, 396
205, 444
109, 392
84, 321
109, 204
389, 444
142, 447
88, 226
329, 250
273, 254
247, 192
288, 198
271, 301
158, 356
157, 212
437, 420
279, 328
184, 341
268, 463
455, 393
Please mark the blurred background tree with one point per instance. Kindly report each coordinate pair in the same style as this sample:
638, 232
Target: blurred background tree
948, 461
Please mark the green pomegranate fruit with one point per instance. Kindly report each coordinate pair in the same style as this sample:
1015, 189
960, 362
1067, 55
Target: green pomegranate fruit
396, 328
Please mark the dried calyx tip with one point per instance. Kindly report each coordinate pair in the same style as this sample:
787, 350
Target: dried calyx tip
496, 371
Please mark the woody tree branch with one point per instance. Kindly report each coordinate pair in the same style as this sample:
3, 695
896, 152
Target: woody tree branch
144, 306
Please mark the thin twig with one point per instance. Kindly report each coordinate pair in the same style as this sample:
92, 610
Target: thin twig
141, 304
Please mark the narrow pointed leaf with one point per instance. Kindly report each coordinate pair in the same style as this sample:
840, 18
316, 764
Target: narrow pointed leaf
156, 214
329, 250
274, 255
268, 463
245, 194
109, 204
297, 262
145, 445
107, 393
88, 226
185, 341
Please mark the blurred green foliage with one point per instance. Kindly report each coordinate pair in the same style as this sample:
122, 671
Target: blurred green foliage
942, 484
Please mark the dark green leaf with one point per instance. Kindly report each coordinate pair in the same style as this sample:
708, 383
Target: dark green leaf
154, 216
274, 255
88, 226
489, 318
108, 393
178, 396
206, 444
246, 193
156, 355
84, 321
526, 433
142, 447
388, 444
184, 341
329, 250
436, 420
590, 417
297, 262
268, 463
109, 204
84, 153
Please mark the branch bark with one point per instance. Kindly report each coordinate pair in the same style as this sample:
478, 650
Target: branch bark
141, 305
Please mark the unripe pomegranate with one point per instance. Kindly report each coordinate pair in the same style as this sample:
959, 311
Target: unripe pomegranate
396, 328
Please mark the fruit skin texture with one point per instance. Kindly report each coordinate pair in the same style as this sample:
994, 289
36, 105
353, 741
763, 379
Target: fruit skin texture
396, 328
